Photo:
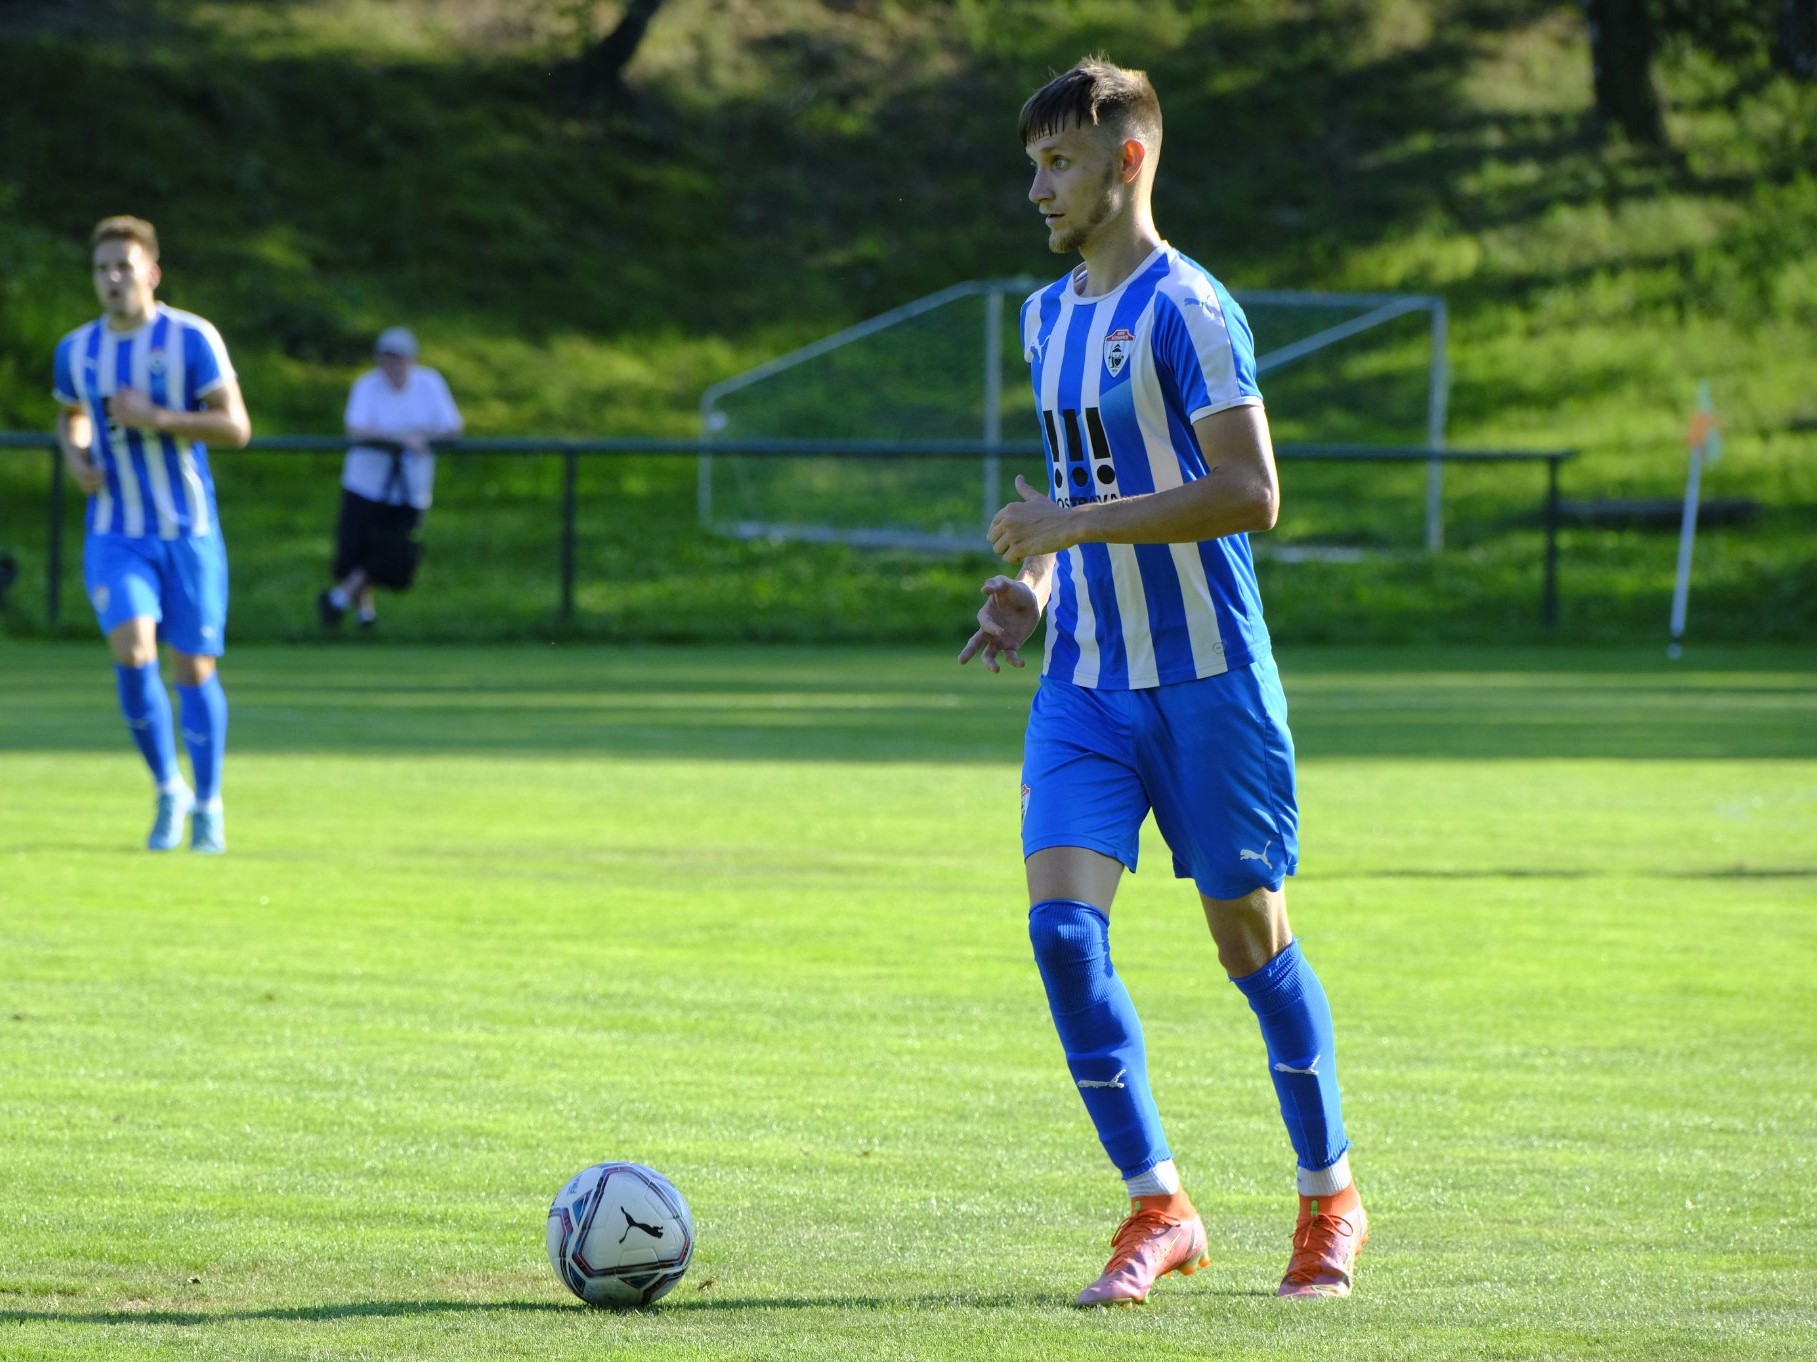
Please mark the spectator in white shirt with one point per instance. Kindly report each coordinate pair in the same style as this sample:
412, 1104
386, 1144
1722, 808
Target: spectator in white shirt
394, 412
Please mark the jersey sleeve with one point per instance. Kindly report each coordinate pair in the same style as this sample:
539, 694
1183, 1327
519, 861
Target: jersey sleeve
63, 380
205, 359
1208, 350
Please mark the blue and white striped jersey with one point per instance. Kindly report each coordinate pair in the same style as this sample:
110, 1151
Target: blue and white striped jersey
158, 486
1119, 379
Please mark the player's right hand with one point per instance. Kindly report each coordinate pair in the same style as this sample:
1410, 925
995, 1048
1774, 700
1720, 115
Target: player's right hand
1005, 620
88, 477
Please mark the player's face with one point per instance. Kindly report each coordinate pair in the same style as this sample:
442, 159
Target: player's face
126, 279
1078, 185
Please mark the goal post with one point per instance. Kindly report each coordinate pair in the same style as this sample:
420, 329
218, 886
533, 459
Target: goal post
942, 372
1381, 309
928, 372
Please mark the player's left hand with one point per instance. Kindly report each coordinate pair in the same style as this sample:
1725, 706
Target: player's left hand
1005, 621
1035, 525
133, 409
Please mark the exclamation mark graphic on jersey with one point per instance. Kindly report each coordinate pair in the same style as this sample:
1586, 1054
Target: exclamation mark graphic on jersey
1056, 456
1078, 477
1103, 470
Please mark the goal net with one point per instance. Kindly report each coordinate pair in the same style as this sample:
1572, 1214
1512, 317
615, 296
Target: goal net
907, 430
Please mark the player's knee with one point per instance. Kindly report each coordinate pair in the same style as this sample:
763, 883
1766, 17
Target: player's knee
136, 655
192, 669
1249, 932
1067, 931
1071, 941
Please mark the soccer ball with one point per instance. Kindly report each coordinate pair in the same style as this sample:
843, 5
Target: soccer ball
620, 1235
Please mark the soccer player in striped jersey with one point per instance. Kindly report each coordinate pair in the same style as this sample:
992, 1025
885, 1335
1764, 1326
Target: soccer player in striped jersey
1159, 690
144, 389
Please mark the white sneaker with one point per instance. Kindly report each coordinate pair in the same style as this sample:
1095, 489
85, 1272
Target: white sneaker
167, 830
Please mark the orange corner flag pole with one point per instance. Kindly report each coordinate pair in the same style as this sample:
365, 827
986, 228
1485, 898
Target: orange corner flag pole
1704, 438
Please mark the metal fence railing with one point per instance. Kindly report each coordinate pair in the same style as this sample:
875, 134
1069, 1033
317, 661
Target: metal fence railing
570, 452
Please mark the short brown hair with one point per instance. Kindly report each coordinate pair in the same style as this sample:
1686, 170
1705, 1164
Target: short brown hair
125, 228
1095, 93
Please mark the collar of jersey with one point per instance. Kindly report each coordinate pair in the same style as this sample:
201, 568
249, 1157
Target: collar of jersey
1072, 278
157, 311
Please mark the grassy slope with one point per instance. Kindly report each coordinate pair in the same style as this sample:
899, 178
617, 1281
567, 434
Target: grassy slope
788, 168
477, 930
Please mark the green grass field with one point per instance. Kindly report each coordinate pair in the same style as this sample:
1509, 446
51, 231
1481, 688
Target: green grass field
754, 917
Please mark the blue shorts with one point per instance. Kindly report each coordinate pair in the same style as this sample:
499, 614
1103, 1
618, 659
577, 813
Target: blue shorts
1212, 758
179, 583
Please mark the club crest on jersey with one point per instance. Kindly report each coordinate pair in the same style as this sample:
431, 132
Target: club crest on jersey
156, 362
1117, 346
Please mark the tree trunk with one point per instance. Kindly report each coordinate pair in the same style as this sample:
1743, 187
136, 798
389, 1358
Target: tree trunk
1621, 54
602, 66
1796, 50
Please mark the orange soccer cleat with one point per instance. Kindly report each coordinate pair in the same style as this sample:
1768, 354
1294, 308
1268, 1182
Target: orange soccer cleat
1147, 1246
1329, 1235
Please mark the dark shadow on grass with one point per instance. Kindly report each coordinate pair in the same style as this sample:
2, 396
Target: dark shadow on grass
683, 1302
348, 1310
1734, 872
904, 704
71, 849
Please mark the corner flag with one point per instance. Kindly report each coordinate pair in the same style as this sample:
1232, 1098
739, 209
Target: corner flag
1704, 438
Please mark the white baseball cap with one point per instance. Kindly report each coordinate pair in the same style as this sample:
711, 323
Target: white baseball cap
396, 340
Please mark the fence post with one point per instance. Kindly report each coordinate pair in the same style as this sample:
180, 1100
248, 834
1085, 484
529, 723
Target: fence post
993, 401
570, 495
1548, 609
53, 575
1438, 381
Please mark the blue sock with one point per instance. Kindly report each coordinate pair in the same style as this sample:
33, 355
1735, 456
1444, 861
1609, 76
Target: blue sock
1099, 1031
204, 710
146, 705
1289, 1001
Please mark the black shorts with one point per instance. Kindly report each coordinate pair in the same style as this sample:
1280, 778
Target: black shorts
385, 540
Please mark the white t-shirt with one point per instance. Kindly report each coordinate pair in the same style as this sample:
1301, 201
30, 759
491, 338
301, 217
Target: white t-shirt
423, 406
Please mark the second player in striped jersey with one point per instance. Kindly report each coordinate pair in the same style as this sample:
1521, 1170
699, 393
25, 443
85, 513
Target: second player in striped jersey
143, 390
